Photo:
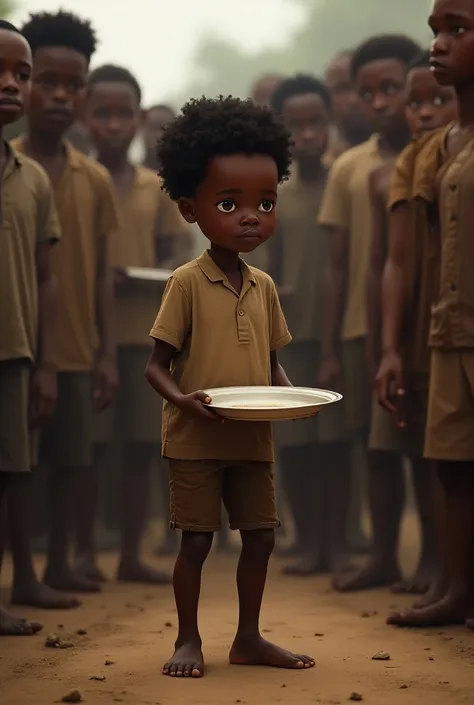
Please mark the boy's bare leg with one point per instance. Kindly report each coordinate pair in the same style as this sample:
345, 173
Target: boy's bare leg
428, 565
337, 462
27, 590
86, 514
9, 624
457, 604
138, 458
249, 648
64, 485
187, 659
386, 498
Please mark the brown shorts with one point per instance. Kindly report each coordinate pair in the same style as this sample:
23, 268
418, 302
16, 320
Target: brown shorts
136, 415
450, 426
67, 439
357, 387
17, 446
198, 488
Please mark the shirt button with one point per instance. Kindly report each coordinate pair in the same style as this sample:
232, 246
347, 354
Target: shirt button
241, 313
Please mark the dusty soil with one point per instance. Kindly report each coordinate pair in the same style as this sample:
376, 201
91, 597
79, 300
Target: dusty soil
129, 627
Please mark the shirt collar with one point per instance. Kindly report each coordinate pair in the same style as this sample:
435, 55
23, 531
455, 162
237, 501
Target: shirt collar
214, 274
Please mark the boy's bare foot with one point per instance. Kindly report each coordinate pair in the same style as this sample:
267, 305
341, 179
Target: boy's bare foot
436, 592
39, 595
448, 611
419, 583
87, 567
137, 572
15, 626
67, 580
371, 575
255, 651
187, 662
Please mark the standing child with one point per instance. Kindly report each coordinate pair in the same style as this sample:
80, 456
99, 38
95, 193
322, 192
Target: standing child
29, 227
220, 323
62, 46
379, 68
152, 234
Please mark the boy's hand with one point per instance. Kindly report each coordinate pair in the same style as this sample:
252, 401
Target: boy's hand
390, 385
329, 371
43, 395
104, 383
194, 404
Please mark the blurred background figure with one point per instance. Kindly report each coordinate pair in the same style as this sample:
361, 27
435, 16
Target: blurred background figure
155, 120
264, 88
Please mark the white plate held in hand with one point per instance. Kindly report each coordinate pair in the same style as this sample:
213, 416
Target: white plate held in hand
269, 403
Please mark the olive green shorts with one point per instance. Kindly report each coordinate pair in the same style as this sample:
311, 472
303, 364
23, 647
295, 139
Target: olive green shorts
17, 443
199, 487
136, 415
67, 439
357, 387
301, 363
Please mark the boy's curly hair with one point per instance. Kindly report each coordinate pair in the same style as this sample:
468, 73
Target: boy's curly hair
207, 128
63, 29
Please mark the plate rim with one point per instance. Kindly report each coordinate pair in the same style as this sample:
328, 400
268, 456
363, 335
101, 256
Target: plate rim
336, 396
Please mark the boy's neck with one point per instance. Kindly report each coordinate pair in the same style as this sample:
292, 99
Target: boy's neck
117, 163
465, 95
395, 143
45, 145
227, 261
311, 172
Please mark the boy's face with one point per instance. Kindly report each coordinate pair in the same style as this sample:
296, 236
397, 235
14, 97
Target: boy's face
381, 87
15, 75
57, 95
452, 50
345, 101
307, 119
235, 203
429, 105
156, 120
113, 116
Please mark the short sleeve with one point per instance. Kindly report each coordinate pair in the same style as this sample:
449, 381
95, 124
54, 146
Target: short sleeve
336, 205
47, 225
173, 322
108, 219
401, 186
279, 334
172, 224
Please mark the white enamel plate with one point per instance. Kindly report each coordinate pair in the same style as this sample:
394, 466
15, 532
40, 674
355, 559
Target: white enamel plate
269, 403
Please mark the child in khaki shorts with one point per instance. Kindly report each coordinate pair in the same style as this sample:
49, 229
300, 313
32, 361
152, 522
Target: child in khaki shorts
220, 324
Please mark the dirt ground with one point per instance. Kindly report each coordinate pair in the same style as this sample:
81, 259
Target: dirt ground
134, 627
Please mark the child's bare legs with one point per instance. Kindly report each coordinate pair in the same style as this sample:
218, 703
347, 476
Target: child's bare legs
249, 648
455, 606
187, 659
337, 465
138, 458
386, 497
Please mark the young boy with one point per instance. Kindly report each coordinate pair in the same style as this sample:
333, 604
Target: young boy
429, 106
29, 227
113, 117
443, 169
309, 448
379, 68
220, 323
62, 46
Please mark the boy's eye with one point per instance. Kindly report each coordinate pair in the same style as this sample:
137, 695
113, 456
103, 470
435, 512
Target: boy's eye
266, 206
457, 31
23, 76
414, 105
226, 206
439, 101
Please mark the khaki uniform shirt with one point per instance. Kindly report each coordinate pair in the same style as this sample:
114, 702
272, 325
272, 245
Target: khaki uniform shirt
147, 212
346, 204
87, 212
302, 246
222, 339
28, 217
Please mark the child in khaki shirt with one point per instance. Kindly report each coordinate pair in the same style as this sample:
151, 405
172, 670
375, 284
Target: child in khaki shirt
220, 323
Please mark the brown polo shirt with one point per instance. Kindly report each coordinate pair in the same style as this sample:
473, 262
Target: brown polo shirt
28, 217
222, 339
147, 212
87, 211
347, 204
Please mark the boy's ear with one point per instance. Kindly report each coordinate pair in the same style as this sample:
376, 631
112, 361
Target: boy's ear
186, 208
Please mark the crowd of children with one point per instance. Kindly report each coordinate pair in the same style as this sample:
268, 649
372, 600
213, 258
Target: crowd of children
348, 199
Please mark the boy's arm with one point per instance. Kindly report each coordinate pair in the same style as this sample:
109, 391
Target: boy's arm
375, 271
279, 377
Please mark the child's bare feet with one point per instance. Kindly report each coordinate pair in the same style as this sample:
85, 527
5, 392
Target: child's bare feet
372, 575
256, 651
15, 626
436, 592
306, 566
187, 662
87, 567
137, 572
451, 610
39, 595
419, 583
67, 580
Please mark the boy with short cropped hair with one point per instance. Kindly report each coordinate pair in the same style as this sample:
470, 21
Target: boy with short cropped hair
152, 234
29, 227
62, 46
220, 323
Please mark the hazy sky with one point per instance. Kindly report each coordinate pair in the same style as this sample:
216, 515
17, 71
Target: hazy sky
155, 38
